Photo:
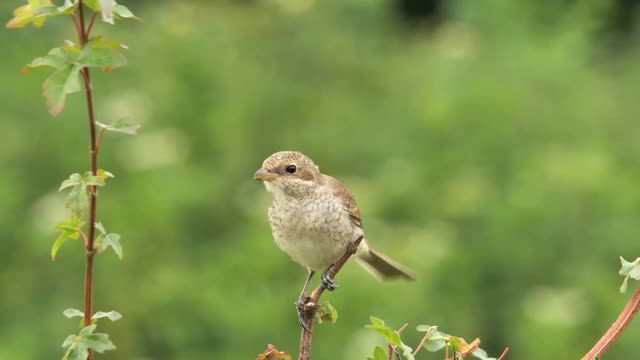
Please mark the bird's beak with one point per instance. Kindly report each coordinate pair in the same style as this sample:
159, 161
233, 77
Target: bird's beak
264, 175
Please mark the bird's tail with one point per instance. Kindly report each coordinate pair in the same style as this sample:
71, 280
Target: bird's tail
379, 265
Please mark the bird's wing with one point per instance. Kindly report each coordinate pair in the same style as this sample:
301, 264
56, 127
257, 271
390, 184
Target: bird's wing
341, 192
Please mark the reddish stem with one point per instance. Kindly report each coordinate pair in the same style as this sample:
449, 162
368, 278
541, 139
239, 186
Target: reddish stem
616, 329
503, 353
90, 26
93, 156
310, 305
424, 338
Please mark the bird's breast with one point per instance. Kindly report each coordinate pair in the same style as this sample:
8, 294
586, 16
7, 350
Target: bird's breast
314, 231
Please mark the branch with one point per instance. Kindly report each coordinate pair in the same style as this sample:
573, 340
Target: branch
93, 156
616, 329
310, 305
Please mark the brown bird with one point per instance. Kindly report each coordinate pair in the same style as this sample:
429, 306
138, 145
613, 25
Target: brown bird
314, 218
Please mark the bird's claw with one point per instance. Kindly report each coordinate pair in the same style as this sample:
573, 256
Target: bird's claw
326, 281
300, 309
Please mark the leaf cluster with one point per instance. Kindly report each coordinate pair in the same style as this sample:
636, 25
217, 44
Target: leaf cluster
433, 341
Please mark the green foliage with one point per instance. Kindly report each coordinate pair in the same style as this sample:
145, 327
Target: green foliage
326, 312
105, 240
629, 270
378, 354
27, 14
78, 345
78, 198
125, 125
69, 229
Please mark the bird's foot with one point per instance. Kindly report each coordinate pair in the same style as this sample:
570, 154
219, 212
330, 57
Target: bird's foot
303, 306
326, 281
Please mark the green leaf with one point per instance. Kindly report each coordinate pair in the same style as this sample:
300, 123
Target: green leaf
389, 334
378, 354
100, 227
74, 179
102, 54
126, 125
68, 229
25, 14
326, 312
481, 354
110, 240
629, 270
112, 315
436, 340
78, 345
60, 84
73, 313
123, 12
407, 352
57, 59
49, 11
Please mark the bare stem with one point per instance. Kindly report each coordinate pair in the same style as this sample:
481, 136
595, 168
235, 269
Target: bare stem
90, 26
93, 156
503, 353
310, 306
616, 329
424, 338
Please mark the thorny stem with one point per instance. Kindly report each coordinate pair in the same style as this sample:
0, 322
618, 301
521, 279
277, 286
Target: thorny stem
310, 305
616, 329
93, 155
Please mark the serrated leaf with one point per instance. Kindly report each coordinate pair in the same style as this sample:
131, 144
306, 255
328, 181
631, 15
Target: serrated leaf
112, 315
24, 15
378, 354
60, 84
389, 334
73, 313
102, 54
125, 125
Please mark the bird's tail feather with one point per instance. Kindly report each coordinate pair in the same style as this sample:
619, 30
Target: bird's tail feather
381, 266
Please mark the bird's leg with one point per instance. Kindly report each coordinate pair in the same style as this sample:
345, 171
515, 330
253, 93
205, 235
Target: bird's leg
326, 280
302, 300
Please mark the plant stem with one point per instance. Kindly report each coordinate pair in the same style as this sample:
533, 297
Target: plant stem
310, 305
93, 155
616, 329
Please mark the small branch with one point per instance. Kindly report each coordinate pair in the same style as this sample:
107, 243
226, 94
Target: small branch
84, 237
503, 353
100, 133
616, 329
90, 26
75, 21
310, 306
390, 352
424, 338
401, 328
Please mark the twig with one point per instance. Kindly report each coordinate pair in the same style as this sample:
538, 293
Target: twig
90, 26
310, 306
401, 328
93, 155
503, 353
424, 338
389, 352
616, 329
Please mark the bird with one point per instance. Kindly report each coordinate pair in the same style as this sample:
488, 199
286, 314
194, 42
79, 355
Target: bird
314, 218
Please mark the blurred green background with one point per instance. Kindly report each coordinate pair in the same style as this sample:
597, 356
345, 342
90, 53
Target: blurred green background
494, 148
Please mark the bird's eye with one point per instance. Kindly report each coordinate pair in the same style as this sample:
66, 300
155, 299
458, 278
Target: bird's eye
291, 169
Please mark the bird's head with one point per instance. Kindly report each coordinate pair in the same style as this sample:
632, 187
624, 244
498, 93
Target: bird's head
289, 172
